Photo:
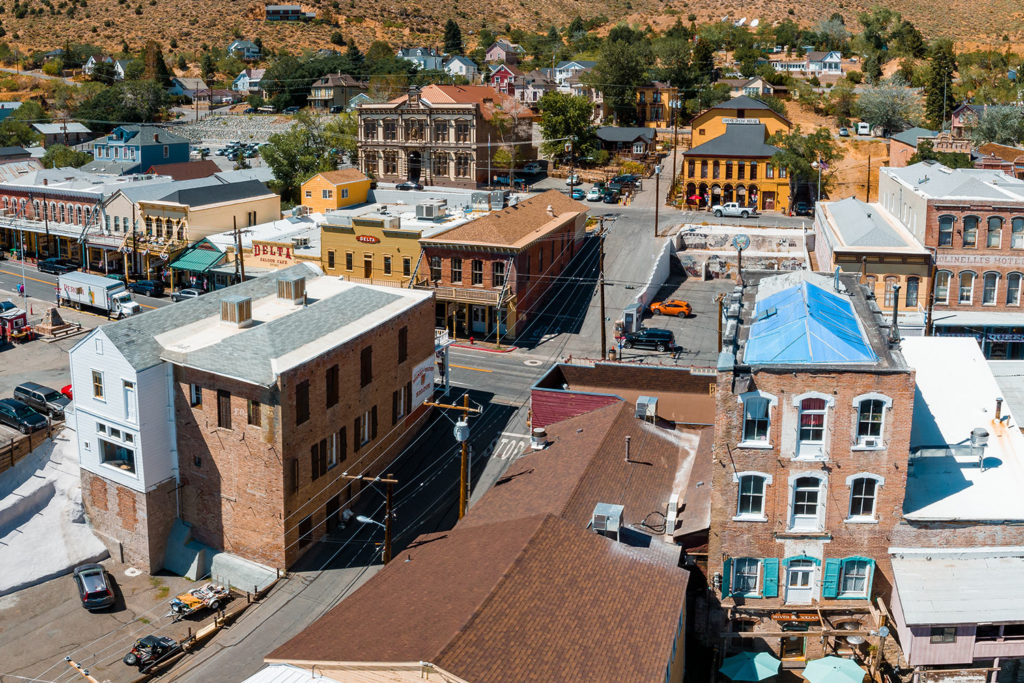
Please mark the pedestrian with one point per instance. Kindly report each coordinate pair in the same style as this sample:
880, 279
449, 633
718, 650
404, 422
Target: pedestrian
21, 290
56, 294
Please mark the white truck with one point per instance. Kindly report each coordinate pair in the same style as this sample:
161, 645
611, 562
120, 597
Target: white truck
733, 209
94, 291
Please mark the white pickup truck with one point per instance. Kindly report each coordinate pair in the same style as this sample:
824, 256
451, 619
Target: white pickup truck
733, 209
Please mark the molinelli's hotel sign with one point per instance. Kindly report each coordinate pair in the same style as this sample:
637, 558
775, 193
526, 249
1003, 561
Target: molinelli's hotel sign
979, 260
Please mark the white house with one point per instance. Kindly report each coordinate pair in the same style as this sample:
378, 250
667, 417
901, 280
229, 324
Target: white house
462, 66
245, 50
825, 62
93, 60
566, 70
426, 58
248, 81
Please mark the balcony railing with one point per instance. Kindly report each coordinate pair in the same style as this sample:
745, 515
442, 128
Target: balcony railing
469, 295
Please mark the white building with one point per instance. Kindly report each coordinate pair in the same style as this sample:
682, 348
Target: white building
426, 58
462, 66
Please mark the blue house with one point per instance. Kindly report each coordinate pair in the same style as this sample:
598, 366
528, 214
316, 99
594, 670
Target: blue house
134, 148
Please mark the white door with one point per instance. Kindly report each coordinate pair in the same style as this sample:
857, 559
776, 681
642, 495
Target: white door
130, 408
800, 582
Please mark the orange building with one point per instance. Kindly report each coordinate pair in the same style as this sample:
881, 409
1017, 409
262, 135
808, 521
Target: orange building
335, 190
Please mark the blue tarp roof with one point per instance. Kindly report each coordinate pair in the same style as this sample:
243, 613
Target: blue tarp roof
806, 324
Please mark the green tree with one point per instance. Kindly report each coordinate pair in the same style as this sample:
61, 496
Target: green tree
622, 65
61, 156
774, 103
892, 107
130, 101
297, 154
453, 38
342, 133
926, 152
576, 29
797, 152
337, 38
939, 100
207, 68
155, 66
1003, 125
16, 130
566, 116
103, 72
379, 51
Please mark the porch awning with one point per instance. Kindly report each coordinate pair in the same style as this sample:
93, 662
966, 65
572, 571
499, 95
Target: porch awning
197, 260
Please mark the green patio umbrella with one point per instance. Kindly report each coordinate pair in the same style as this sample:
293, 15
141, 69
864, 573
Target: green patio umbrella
750, 666
834, 670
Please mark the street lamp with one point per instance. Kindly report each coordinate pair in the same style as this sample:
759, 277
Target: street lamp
817, 166
657, 178
363, 519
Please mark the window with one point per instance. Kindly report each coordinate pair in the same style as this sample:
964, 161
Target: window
435, 268
326, 194
117, 455
988, 632
224, 409
753, 170
1017, 233
497, 274
370, 130
456, 269
741, 171
988, 290
703, 168
756, 418
966, 288
406, 266
390, 129
478, 272
330, 260
403, 344
995, 232
942, 634
769, 171
942, 287
728, 170
745, 575
344, 193
365, 427
332, 450
811, 436
1013, 289
970, 231
390, 163
366, 366
332, 383
294, 476
387, 265
913, 284
855, 578
318, 459
690, 168
252, 412
461, 131
398, 404
348, 260
306, 531
946, 231
302, 401
862, 497
890, 291
167, 151
441, 131
195, 395
807, 497
97, 384
750, 498
462, 166
715, 166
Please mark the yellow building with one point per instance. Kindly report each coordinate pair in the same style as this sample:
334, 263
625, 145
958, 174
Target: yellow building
712, 122
335, 190
652, 105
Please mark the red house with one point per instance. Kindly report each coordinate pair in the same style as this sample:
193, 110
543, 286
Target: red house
504, 78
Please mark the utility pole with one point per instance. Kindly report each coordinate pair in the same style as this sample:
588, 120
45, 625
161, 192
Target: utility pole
930, 328
657, 179
600, 261
868, 186
239, 261
462, 436
389, 481
720, 299
675, 136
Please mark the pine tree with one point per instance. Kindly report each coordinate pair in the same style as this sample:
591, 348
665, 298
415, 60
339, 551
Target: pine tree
940, 102
453, 38
576, 28
155, 66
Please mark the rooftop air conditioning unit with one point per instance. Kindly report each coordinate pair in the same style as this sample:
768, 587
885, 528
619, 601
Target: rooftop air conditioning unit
607, 520
646, 408
299, 242
431, 210
236, 310
292, 288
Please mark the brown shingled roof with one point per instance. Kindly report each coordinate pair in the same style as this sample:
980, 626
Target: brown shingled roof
345, 175
536, 598
185, 170
515, 226
1004, 152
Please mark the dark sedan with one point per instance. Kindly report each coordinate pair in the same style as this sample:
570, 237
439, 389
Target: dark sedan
55, 266
147, 287
93, 586
14, 413
409, 185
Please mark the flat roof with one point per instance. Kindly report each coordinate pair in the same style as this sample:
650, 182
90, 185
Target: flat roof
946, 586
948, 318
956, 393
408, 221
859, 226
934, 181
282, 230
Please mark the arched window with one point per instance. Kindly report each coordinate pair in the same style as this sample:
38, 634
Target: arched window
863, 493
913, 284
35, 209
62, 218
813, 408
5, 203
1013, 289
750, 494
966, 288
756, 418
946, 231
703, 168
149, 226
53, 211
988, 291
807, 503
870, 426
890, 290
181, 232
715, 169
970, 231
1017, 233
994, 237
942, 286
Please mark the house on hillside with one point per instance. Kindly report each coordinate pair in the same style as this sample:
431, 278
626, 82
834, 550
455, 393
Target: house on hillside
192, 88
751, 87
248, 81
288, 13
68, 133
121, 69
566, 70
504, 78
426, 58
533, 86
334, 91
462, 66
635, 143
505, 52
90, 64
830, 62
903, 145
246, 50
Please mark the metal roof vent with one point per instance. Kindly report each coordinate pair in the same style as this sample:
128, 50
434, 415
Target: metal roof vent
292, 288
236, 310
646, 408
607, 520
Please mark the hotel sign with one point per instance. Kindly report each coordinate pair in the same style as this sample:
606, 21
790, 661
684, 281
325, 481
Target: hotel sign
367, 239
979, 260
272, 254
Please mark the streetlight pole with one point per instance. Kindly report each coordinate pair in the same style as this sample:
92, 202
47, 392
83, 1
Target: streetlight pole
657, 179
604, 338
462, 436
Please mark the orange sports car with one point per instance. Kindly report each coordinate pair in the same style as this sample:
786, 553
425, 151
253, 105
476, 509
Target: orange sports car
671, 307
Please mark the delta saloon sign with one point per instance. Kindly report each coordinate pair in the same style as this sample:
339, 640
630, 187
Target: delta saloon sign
273, 253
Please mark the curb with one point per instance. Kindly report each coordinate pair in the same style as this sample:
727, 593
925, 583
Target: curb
484, 348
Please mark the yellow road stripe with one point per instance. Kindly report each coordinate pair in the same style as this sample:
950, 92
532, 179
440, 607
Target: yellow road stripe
466, 367
47, 282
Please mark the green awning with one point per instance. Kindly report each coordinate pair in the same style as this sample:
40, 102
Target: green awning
198, 260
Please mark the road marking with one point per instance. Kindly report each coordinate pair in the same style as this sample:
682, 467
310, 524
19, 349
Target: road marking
466, 367
47, 282
532, 362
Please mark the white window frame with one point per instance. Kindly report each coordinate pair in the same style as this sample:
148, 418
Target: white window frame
766, 480
949, 280
195, 395
804, 524
812, 450
332, 450
756, 592
861, 442
1015, 300
969, 300
102, 397
985, 290
772, 403
400, 404
864, 519
840, 593
365, 428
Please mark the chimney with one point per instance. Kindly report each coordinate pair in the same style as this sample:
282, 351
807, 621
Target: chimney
156, 137
999, 409
46, 181
539, 439
292, 288
894, 330
628, 439
236, 310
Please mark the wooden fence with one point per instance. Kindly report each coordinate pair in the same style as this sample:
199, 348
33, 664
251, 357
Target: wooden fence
18, 447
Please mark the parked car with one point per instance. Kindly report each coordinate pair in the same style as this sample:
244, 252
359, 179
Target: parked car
675, 307
574, 179
733, 209
408, 185
803, 209
147, 287
185, 294
336, 109
55, 266
43, 399
844, 132
595, 195
533, 167
577, 193
248, 110
93, 586
210, 596
149, 651
14, 413
650, 338
291, 110
118, 277
611, 197
7, 305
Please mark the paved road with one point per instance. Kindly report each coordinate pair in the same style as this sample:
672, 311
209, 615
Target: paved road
39, 74
42, 286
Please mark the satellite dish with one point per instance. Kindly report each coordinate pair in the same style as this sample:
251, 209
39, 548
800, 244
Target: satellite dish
741, 241
855, 640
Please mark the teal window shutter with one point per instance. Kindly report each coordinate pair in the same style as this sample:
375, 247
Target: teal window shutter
871, 576
830, 582
771, 577
726, 575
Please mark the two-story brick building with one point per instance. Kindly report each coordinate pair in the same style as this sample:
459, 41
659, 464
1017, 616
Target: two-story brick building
441, 134
236, 412
973, 223
810, 462
490, 275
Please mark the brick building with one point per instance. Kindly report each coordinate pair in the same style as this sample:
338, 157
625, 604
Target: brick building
812, 431
235, 412
491, 274
973, 221
441, 135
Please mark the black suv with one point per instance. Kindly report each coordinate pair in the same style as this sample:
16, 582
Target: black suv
43, 399
147, 287
649, 338
18, 415
55, 266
